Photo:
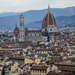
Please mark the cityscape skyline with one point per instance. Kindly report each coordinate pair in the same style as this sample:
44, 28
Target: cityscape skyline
47, 50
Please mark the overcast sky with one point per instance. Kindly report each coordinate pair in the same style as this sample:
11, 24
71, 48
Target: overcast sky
25, 5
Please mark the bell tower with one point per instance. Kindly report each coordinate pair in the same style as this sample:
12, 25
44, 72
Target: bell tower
22, 34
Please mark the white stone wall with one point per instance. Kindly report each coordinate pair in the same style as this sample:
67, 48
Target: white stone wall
34, 36
52, 28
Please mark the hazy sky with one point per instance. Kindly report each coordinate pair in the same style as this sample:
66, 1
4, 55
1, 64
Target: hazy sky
25, 5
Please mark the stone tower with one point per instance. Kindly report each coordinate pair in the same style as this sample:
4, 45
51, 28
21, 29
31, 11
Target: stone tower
22, 34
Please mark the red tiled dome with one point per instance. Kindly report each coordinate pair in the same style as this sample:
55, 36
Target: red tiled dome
16, 31
48, 20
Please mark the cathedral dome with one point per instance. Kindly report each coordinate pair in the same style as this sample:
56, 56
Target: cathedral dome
16, 31
48, 19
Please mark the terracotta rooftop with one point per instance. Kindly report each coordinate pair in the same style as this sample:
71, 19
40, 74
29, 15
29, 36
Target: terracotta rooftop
48, 19
17, 57
39, 67
16, 31
59, 73
34, 30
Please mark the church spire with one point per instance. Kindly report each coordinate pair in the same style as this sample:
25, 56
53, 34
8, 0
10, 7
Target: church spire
48, 13
48, 9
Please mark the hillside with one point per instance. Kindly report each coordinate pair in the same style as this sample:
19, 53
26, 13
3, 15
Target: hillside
33, 18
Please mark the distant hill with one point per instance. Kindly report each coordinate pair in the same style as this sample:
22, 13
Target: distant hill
33, 18
66, 21
62, 21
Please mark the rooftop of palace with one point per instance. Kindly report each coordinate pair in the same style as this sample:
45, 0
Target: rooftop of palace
63, 63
